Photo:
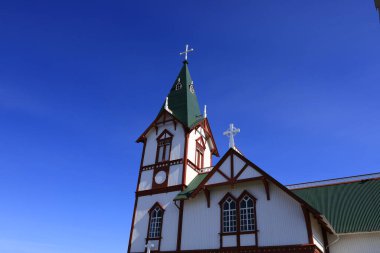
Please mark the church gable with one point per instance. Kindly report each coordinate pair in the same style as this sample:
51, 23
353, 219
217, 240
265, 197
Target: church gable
231, 170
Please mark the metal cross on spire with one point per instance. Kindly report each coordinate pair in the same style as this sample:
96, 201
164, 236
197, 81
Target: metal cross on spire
187, 50
231, 132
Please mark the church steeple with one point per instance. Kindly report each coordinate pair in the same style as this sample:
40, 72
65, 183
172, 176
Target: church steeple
182, 100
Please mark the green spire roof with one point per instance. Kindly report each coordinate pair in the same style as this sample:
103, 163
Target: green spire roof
182, 99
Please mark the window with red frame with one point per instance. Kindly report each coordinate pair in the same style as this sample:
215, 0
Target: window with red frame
156, 215
199, 152
164, 144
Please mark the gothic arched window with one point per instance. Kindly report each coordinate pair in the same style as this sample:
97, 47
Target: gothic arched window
156, 214
247, 213
164, 144
228, 208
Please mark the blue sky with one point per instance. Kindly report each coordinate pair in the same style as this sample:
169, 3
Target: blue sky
81, 80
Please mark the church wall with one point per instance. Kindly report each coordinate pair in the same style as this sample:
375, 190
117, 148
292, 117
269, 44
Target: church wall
169, 225
190, 175
354, 243
175, 174
146, 180
177, 149
317, 233
280, 220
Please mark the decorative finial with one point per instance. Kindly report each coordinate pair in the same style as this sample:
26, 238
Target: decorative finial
231, 132
205, 112
187, 50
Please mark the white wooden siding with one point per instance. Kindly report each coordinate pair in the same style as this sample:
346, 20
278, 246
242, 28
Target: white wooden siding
146, 180
190, 175
177, 149
280, 220
193, 136
175, 174
249, 172
238, 164
216, 178
225, 167
355, 243
169, 225
247, 240
229, 241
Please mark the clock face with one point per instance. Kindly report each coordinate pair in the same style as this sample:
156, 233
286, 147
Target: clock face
160, 177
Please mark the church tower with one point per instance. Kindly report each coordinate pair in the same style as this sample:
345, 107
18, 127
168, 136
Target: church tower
177, 146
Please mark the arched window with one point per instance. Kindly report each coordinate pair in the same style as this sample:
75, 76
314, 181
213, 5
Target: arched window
156, 214
247, 213
164, 144
229, 215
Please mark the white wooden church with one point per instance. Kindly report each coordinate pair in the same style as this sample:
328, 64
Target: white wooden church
185, 203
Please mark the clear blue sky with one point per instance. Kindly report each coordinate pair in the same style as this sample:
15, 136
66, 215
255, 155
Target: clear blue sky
80, 81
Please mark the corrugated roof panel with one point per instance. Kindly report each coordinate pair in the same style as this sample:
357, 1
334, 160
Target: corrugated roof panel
191, 187
349, 207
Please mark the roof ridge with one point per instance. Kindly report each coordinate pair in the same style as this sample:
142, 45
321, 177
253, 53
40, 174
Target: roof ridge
339, 180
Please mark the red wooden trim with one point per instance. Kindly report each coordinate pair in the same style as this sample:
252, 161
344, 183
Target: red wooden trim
136, 198
185, 160
199, 155
160, 190
308, 224
155, 122
325, 240
132, 225
193, 166
154, 206
200, 141
271, 179
238, 232
168, 139
180, 219
266, 185
235, 182
162, 223
207, 129
298, 248
163, 184
162, 164
240, 172
228, 195
165, 131
244, 193
201, 185
224, 175
232, 165
141, 165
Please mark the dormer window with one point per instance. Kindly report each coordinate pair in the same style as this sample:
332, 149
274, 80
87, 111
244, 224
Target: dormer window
164, 144
192, 87
178, 86
200, 148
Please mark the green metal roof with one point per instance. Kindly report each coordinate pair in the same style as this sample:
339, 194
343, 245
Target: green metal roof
349, 207
191, 187
183, 102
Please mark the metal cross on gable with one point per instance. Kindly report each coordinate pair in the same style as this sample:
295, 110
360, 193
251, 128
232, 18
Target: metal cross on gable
231, 132
187, 50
